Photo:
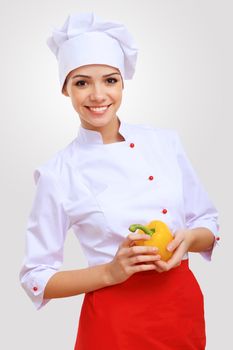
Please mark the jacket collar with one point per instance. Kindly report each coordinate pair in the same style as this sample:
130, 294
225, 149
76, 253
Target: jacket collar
86, 136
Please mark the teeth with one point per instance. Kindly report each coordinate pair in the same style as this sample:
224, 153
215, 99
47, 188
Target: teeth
98, 109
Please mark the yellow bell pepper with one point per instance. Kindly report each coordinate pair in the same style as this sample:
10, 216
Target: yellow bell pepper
160, 237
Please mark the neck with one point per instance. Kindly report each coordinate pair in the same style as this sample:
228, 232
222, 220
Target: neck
110, 132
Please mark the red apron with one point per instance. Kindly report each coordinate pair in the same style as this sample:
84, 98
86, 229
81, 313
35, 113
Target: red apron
150, 311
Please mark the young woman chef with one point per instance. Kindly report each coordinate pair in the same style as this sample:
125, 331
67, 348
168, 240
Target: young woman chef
112, 175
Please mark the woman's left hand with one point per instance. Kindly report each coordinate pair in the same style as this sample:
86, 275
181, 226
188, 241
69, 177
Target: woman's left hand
179, 246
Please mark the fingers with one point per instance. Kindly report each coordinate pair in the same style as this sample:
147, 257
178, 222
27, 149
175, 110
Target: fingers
129, 240
139, 250
123, 265
131, 258
139, 259
142, 267
178, 239
162, 266
137, 254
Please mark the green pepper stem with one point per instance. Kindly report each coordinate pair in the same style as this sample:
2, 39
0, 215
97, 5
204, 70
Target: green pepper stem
145, 229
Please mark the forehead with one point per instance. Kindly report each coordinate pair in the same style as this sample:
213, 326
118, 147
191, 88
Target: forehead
94, 70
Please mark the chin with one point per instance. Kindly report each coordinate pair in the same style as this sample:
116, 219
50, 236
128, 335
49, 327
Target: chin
99, 121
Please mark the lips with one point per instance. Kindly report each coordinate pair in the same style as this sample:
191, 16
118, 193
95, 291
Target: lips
98, 109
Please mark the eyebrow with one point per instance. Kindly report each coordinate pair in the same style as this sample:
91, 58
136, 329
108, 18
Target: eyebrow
88, 76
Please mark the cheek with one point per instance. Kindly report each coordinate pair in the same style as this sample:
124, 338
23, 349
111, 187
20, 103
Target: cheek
76, 102
117, 96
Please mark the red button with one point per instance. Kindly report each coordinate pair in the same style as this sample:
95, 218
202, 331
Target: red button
35, 289
164, 211
217, 238
151, 178
132, 145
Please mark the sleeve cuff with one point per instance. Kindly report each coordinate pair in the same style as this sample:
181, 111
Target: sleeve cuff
35, 287
214, 228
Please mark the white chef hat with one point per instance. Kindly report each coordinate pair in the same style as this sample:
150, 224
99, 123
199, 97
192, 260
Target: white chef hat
87, 39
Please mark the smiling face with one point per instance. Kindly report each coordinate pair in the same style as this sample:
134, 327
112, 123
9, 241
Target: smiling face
96, 94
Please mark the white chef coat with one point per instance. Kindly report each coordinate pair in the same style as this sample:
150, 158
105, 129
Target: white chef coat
101, 189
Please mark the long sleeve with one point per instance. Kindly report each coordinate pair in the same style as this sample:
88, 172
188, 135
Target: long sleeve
45, 235
199, 210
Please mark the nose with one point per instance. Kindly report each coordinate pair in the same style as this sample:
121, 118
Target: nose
97, 94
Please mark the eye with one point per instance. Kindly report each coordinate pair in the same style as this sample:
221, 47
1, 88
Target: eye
112, 80
80, 83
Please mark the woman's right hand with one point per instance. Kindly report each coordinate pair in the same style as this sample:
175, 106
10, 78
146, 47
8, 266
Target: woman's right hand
131, 258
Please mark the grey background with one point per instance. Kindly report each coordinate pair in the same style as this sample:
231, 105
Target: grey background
183, 81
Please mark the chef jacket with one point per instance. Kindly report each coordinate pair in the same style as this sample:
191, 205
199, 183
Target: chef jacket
99, 190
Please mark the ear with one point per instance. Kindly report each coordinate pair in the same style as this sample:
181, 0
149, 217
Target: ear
64, 91
122, 83
64, 88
